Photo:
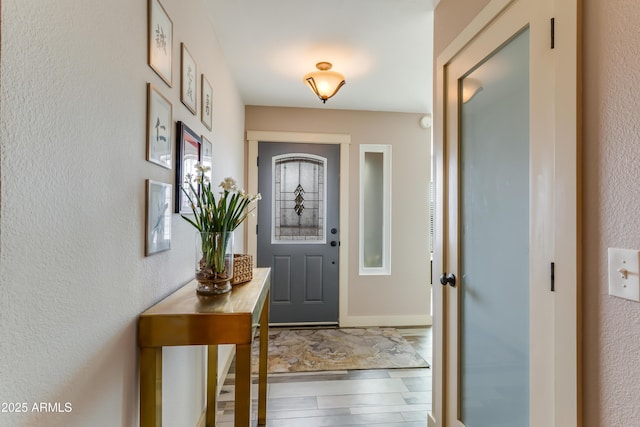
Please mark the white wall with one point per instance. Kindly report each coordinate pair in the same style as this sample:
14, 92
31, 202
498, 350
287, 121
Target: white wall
73, 275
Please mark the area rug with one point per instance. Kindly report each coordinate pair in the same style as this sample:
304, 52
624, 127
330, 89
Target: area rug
308, 350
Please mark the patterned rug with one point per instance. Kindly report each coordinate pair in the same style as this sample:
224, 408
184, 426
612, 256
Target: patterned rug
307, 350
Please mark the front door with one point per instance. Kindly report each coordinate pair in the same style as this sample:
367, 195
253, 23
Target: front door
298, 235
505, 187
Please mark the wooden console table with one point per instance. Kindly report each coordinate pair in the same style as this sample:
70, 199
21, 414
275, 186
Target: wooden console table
184, 318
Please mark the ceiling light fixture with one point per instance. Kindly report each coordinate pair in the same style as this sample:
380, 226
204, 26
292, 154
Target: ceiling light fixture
324, 83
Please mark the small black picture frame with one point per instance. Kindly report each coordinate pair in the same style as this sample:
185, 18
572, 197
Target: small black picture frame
187, 156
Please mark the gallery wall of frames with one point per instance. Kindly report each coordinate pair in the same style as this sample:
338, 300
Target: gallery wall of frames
162, 133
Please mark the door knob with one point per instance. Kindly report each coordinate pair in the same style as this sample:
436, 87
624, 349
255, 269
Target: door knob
334, 243
449, 279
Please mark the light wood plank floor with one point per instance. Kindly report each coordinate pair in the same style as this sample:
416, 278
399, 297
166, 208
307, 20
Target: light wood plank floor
382, 397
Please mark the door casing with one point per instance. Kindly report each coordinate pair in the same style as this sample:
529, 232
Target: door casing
564, 333
344, 140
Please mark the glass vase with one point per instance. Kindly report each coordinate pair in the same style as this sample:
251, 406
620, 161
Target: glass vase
214, 262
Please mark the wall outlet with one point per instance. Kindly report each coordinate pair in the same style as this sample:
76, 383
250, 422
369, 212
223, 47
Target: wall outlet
624, 273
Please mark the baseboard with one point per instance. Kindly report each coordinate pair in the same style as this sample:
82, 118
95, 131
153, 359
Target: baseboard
430, 421
301, 324
202, 421
362, 321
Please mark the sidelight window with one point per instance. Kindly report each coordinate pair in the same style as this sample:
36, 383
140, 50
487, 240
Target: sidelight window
375, 209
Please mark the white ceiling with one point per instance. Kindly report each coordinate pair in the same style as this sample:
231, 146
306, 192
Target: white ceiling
384, 48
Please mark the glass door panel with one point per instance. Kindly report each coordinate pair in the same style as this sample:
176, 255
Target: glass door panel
494, 239
299, 194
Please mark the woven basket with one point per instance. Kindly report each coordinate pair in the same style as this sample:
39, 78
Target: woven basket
242, 269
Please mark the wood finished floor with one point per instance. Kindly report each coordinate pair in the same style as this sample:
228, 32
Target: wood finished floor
379, 397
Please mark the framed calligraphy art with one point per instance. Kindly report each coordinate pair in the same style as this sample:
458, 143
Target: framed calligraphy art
160, 41
159, 128
188, 155
158, 219
206, 109
188, 81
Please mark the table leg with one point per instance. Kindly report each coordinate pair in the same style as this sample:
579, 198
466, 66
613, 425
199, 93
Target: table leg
243, 385
263, 366
151, 387
212, 384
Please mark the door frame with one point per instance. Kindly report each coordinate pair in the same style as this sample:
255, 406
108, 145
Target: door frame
253, 137
566, 335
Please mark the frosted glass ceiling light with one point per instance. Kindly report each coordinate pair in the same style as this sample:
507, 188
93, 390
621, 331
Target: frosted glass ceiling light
324, 83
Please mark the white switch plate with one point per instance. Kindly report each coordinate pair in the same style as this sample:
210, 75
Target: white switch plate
624, 273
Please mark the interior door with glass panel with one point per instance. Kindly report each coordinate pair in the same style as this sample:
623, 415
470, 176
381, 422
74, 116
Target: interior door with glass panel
499, 156
493, 270
298, 234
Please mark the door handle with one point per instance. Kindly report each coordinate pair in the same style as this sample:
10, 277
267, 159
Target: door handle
334, 243
449, 279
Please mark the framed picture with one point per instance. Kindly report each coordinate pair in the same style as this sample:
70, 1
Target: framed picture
188, 80
159, 128
158, 222
207, 156
206, 109
188, 155
160, 29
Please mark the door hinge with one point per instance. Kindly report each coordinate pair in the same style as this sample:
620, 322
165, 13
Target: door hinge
258, 161
256, 228
553, 33
553, 276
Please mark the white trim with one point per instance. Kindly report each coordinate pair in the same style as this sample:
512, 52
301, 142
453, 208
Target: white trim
299, 137
385, 269
251, 239
568, 212
395, 321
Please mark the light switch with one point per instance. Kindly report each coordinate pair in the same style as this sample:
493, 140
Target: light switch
624, 273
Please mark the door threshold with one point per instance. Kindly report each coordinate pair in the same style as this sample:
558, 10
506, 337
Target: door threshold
303, 324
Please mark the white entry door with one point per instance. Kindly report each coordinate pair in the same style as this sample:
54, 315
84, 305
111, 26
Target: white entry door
506, 314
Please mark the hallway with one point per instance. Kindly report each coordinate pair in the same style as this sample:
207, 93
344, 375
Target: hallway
389, 397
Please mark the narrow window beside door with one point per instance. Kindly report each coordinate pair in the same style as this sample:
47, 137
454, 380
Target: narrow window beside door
375, 209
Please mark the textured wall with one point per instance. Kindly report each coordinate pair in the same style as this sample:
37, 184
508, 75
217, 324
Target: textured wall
406, 291
611, 205
73, 276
